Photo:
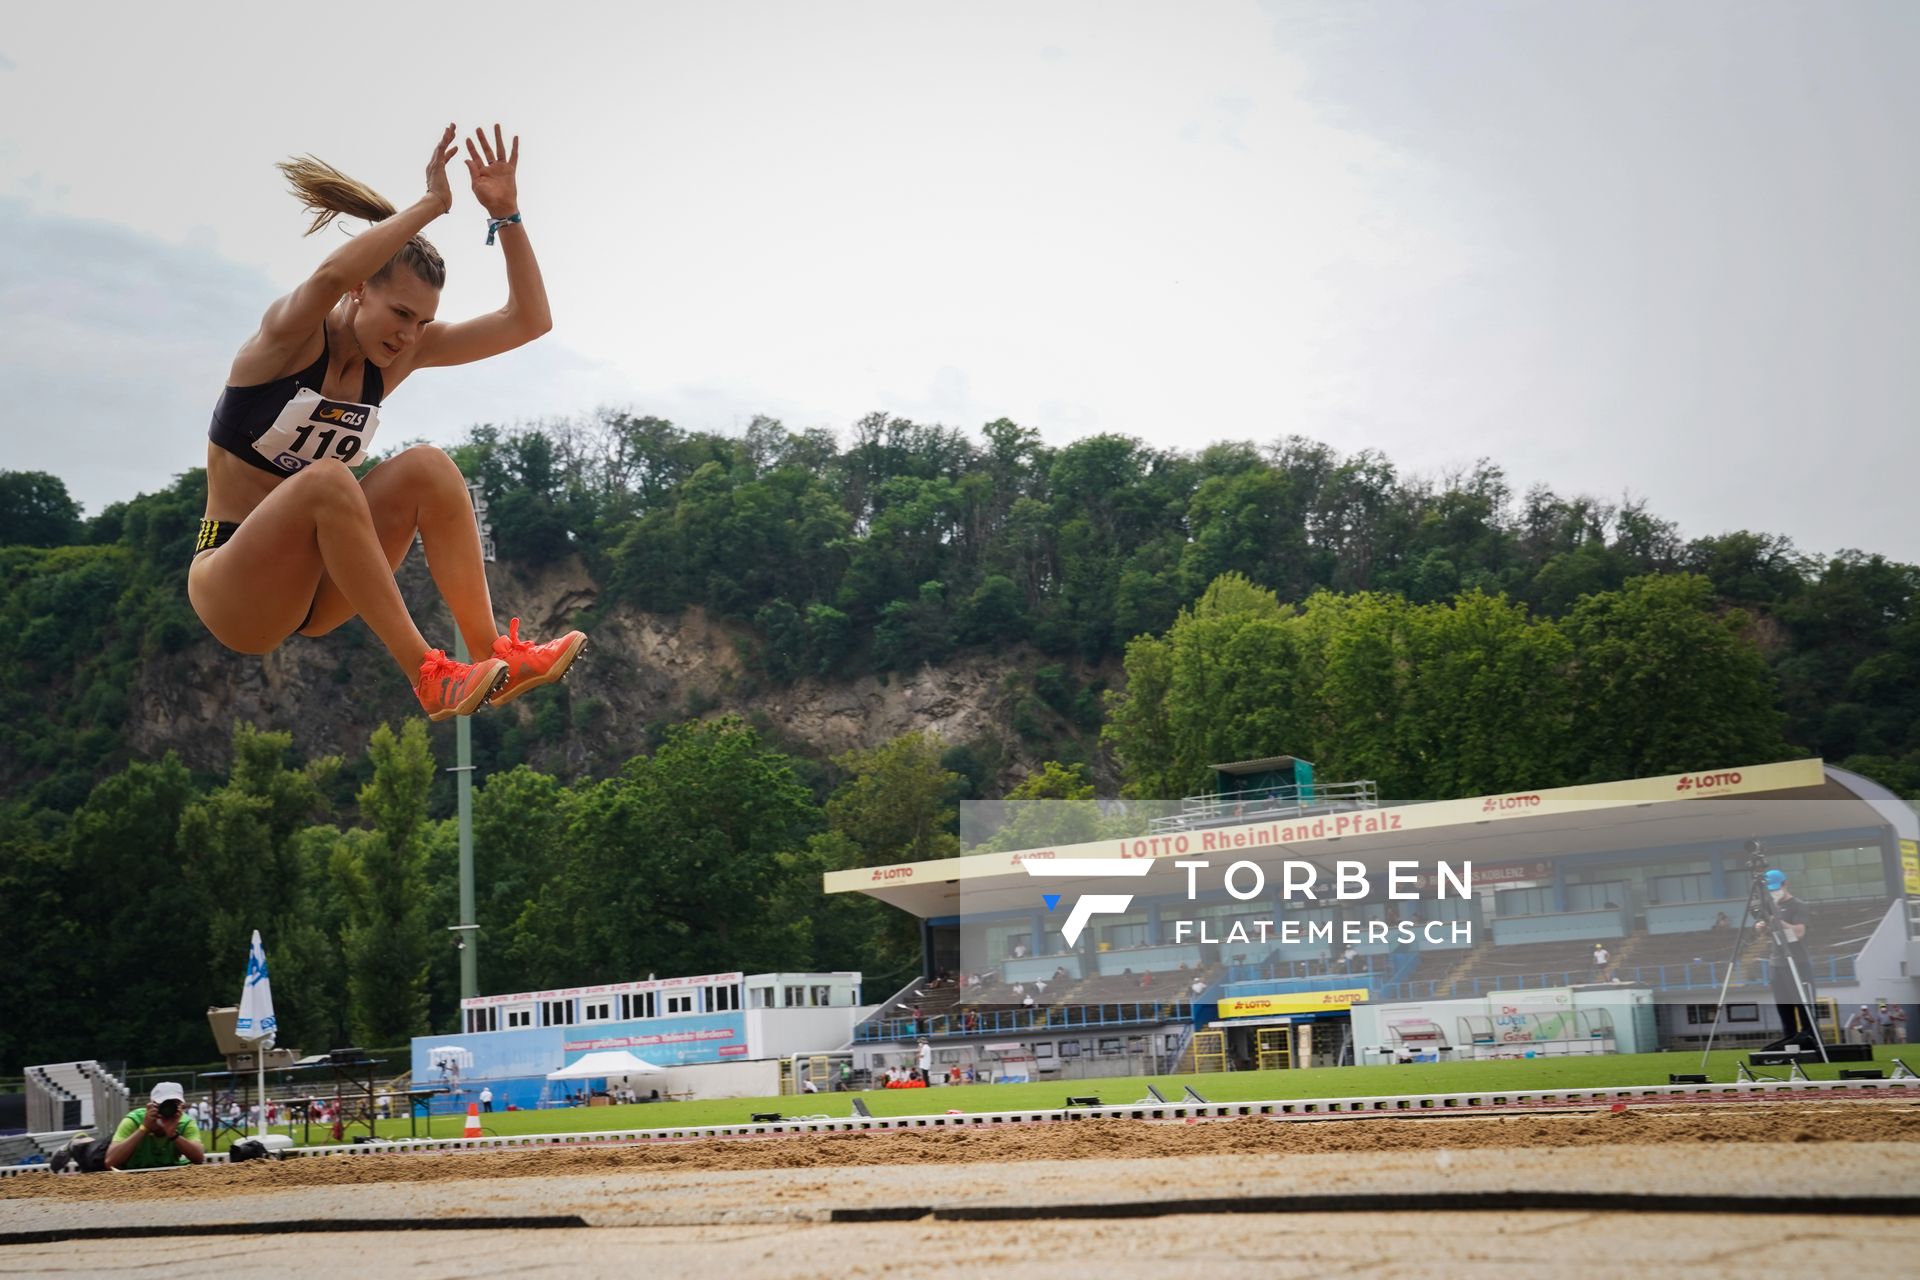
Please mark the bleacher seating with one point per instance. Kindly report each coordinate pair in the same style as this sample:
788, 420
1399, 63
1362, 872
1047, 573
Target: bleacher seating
1574, 959
1836, 933
1436, 967
1651, 950
1841, 929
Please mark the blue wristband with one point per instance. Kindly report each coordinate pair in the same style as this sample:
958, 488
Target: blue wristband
494, 224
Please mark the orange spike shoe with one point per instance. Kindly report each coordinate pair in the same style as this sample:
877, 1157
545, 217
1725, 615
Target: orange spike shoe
531, 665
447, 688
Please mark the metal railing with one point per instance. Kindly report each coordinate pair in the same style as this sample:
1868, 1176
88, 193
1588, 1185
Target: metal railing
1038, 1018
1689, 976
1269, 804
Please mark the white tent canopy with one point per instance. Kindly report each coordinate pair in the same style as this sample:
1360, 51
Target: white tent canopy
608, 1062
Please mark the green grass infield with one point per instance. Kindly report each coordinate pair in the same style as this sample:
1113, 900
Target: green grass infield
1241, 1086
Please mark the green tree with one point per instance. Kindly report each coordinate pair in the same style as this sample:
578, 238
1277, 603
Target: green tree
676, 865
44, 936
1665, 683
379, 872
126, 891
36, 511
897, 802
239, 860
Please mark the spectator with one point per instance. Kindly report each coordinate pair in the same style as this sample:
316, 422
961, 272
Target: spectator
1019, 951
1601, 961
1720, 922
808, 1086
1198, 985
486, 1098
1893, 1022
846, 1076
1863, 1025
1040, 985
925, 1059
1146, 979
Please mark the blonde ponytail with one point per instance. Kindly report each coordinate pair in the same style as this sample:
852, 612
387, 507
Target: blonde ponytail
325, 192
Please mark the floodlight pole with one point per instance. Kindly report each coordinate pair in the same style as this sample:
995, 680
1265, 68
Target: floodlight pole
468, 930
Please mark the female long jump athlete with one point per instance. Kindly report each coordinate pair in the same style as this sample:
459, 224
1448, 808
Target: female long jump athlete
292, 542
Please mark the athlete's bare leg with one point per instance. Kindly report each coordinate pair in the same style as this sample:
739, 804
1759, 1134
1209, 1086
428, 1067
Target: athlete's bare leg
421, 489
253, 592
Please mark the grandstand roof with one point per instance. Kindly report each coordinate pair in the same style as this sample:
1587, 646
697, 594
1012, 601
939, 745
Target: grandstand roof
1265, 765
1677, 810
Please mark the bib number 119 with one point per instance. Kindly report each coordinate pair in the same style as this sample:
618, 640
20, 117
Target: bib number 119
325, 445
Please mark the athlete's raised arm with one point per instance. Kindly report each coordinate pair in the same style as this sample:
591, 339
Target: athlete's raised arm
291, 322
492, 166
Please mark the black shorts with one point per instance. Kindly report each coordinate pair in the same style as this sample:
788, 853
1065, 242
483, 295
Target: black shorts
216, 533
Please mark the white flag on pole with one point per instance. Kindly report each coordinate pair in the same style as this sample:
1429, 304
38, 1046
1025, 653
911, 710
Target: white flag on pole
256, 1020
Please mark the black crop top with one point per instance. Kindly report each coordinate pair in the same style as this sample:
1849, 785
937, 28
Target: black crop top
243, 414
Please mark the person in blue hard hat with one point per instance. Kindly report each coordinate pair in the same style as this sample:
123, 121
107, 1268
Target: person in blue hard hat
1788, 931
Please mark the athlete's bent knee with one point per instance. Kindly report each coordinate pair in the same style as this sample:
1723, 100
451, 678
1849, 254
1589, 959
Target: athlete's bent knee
430, 463
329, 483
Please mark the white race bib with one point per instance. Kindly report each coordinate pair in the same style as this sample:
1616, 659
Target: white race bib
313, 428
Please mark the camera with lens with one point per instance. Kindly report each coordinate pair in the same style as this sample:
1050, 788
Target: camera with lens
170, 1109
1755, 861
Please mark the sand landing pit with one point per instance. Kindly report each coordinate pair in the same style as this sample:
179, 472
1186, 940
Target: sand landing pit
881, 1203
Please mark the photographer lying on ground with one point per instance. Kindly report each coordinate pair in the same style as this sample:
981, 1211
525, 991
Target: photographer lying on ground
155, 1136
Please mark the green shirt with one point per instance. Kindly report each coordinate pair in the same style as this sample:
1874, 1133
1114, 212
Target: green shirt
155, 1151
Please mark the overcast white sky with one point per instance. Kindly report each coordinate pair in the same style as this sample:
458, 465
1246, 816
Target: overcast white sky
1650, 248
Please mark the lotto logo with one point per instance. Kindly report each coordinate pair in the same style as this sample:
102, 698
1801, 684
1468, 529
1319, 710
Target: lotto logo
1495, 804
1707, 781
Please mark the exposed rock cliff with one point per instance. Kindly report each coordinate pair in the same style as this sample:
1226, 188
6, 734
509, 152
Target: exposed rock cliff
639, 670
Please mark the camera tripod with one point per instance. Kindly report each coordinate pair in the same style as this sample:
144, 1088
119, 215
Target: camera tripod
1760, 907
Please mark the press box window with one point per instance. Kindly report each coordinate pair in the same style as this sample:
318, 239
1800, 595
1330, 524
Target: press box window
680, 1004
556, 1013
519, 1018
597, 1011
722, 999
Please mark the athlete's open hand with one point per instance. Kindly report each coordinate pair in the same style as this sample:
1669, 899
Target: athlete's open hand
437, 185
491, 166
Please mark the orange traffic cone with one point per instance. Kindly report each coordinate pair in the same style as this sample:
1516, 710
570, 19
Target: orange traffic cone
473, 1121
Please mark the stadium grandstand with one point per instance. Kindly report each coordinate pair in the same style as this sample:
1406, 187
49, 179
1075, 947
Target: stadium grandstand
1600, 918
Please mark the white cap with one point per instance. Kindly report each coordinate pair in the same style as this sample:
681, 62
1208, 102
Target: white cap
167, 1091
